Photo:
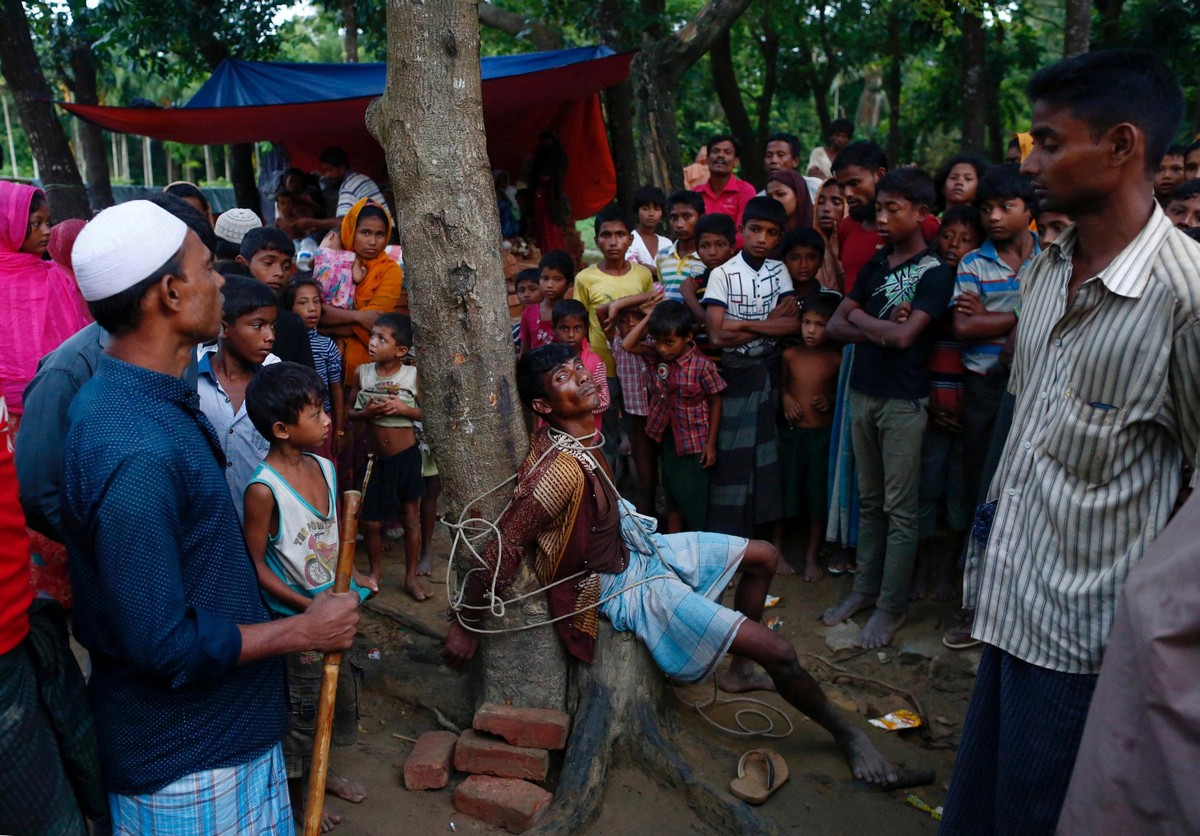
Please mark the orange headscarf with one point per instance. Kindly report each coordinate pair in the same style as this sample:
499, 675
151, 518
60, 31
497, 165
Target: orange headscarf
380, 290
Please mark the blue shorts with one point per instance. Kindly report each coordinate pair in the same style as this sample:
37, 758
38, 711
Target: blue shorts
677, 615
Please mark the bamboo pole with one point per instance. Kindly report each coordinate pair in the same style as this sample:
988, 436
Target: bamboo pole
315, 805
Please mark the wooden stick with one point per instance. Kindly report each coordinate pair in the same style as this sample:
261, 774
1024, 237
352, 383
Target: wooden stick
315, 805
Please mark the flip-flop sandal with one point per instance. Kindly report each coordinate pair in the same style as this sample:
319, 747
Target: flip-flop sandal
759, 773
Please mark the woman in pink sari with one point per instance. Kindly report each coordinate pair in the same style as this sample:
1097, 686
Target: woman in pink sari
40, 304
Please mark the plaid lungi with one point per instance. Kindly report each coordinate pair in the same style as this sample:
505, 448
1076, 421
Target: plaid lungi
246, 800
677, 617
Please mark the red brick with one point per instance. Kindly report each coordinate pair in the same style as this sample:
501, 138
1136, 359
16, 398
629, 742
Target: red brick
488, 756
430, 762
503, 802
539, 728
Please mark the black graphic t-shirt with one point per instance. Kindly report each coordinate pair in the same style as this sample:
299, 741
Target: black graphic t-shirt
926, 284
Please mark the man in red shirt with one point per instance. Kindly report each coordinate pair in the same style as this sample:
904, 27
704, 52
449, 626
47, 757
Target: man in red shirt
857, 169
723, 192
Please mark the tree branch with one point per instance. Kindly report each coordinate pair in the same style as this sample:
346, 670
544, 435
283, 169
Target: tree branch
511, 23
674, 54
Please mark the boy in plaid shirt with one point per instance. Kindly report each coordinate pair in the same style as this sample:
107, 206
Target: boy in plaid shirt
685, 410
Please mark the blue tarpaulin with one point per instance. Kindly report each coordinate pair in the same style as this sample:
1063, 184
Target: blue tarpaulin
236, 83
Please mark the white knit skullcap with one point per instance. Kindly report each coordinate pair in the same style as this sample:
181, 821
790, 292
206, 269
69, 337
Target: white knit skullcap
233, 224
123, 245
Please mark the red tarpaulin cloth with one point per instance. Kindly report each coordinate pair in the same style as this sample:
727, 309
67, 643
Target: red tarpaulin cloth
515, 109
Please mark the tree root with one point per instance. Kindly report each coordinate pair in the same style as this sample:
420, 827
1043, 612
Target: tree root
621, 717
405, 620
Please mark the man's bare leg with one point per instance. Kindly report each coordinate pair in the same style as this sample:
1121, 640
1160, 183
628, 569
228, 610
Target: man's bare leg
771, 650
757, 569
816, 536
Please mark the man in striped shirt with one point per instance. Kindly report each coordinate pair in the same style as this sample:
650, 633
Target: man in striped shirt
351, 186
1108, 411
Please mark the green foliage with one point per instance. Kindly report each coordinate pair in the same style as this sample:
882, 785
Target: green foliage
185, 39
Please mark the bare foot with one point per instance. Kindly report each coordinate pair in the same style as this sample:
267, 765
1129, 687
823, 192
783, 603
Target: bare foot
784, 568
366, 582
425, 566
329, 819
812, 572
414, 588
880, 629
867, 763
735, 682
376, 578
345, 789
852, 603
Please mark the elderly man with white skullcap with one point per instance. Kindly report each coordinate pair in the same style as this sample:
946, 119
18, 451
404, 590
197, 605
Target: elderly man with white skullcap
187, 686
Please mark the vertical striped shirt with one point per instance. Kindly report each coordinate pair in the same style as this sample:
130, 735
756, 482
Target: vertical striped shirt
1108, 409
327, 360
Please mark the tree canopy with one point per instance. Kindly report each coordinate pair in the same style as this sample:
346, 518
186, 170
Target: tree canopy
925, 78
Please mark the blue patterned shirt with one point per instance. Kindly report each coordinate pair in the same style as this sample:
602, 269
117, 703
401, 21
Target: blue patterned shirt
162, 579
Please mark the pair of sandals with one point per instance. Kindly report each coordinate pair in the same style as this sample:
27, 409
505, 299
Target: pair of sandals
760, 772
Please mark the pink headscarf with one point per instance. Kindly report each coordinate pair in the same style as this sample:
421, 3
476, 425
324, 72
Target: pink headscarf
62, 240
40, 305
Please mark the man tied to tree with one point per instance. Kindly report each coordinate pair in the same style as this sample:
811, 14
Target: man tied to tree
663, 588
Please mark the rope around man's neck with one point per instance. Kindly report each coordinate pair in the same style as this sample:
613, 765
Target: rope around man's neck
469, 531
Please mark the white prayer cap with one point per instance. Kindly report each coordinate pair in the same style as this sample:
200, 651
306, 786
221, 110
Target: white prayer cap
233, 224
123, 245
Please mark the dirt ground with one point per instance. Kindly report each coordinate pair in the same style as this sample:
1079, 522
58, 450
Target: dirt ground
406, 682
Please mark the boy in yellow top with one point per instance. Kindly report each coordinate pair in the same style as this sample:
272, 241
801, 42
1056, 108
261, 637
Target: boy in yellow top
612, 279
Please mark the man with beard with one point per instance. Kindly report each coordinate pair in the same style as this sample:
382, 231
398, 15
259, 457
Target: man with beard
857, 169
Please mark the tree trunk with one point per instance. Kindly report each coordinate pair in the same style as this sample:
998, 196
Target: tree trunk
656, 73
1077, 33
974, 81
618, 108
84, 87
51, 151
730, 96
449, 230
892, 83
768, 46
620, 718
456, 293
350, 24
241, 165
659, 157
1110, 21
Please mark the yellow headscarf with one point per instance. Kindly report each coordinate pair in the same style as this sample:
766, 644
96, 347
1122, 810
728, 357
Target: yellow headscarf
380, 290
1026, 143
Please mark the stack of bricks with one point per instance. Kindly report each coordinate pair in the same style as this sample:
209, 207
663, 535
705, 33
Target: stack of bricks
505, 753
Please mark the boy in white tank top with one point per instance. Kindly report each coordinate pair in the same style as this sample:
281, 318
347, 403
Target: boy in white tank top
291, 529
